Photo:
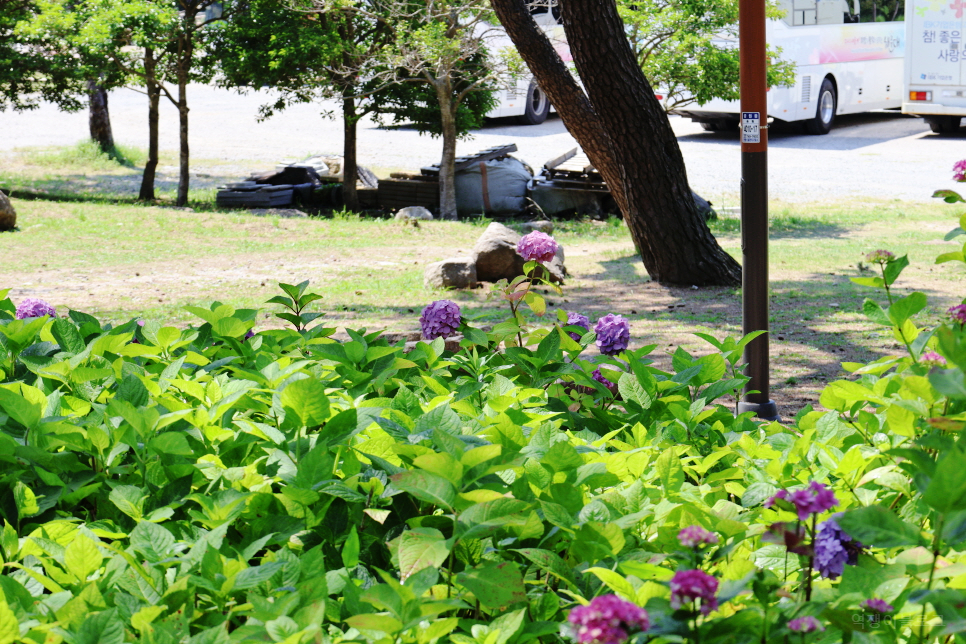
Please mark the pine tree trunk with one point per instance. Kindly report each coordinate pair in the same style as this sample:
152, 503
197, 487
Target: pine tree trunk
184, 65
627, 137
350, 167
447, 164
100, 117
154, 98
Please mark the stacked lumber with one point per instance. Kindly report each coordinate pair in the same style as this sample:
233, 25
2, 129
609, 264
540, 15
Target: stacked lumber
572, 170
248, 194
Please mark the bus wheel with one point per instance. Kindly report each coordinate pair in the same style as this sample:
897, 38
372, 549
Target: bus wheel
825, 112
944, 124
537, 106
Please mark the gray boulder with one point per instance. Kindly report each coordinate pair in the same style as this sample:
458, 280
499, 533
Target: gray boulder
455, 272
497, 258
8, 216
542, 226
414, 212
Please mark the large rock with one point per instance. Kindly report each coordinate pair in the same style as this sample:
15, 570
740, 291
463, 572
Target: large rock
414, 212
455, 272
8, 216
497, 258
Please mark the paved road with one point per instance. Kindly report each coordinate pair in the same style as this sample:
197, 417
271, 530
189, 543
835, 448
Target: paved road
878, 155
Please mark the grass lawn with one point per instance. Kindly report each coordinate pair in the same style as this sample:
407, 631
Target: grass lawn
83, 243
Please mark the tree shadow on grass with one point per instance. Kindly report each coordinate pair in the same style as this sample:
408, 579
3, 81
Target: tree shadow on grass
104, 188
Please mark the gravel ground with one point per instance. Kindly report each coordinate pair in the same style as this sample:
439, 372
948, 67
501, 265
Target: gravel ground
878, 155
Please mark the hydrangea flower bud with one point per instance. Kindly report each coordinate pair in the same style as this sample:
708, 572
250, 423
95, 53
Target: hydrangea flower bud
880, 257
932, 359
960, 171
613, 334
537, 246
694, 536
608, 619
576, 319
877, 606
31, 307
690, 585
807, 624
440, 319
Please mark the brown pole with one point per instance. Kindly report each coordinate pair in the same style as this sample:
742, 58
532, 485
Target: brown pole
754, 206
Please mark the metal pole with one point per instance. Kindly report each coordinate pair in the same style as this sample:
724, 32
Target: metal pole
754, 205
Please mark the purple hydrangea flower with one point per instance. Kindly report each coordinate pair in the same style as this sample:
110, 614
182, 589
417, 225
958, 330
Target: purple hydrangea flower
880, 257
599, 377
694, 536
537, 246
576, 319
877, 606
960, 171
958, 313
834, 549
31, 307
613, 334
440, 319
608, 619
807, 624
814, 499
250, 334
932, 359
690, 585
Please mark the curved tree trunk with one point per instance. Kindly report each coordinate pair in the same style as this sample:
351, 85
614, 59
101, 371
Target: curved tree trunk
100, 117
447, 164
626, 135
350, 165
154, 98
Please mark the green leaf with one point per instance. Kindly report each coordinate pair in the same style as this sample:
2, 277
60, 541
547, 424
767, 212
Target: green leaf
170, 443
101, 628
251, 577
903, 309
152, 540
26, 500
669, 469
373, 622
947, 487
426, 486
67, 336
9, 626
893, 269
495, 585
421, 548
350, 549
230, 327
307, 400
631, 389
874, 312
615, 582
129, 500
281, 628
549, 562
949, 196
19, 408
82, 557
879, 527
948, 382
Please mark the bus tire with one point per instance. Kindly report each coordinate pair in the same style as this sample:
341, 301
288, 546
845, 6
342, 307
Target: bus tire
538, 106
944, 124
825, 111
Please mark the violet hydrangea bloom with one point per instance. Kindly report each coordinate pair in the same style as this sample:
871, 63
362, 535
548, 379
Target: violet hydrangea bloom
613, 334
576, 319
440, 319
814, 499
249, 335
958, 313
608, 619
877, 606
690, 585
537, 246
31, 307
932, 359
694, 536
807, 624
880, 257
599, 377
834, 549
960, 171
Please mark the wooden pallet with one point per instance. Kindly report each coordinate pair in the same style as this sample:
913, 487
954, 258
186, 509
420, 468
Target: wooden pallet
401, 193
462, 163
572, 170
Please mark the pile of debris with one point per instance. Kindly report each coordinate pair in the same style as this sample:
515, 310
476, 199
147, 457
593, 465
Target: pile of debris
494, 257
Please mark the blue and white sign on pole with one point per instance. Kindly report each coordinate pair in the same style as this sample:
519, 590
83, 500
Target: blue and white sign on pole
751, 127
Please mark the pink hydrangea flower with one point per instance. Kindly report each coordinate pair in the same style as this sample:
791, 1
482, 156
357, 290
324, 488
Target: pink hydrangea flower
880, 257
608, 619
807, 624
537, 246
814, 499
932, 359
694, 536
690, 585
960, 171
31, 307
877, 606
958, 313
440, 319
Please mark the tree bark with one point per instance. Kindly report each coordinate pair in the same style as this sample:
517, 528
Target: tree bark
100, 117
447, 164
154, 98
627, 136
350, 164
185, 47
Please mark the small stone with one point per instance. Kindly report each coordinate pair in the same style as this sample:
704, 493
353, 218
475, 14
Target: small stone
8, 216
455, 272
414, 212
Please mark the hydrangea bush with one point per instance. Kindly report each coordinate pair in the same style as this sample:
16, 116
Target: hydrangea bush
538, 483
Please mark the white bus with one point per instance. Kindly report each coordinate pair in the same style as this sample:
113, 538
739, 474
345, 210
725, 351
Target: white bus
525, 100
935, 80
847, 60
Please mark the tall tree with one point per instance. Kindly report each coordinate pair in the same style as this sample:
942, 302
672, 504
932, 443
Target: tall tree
626, 134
